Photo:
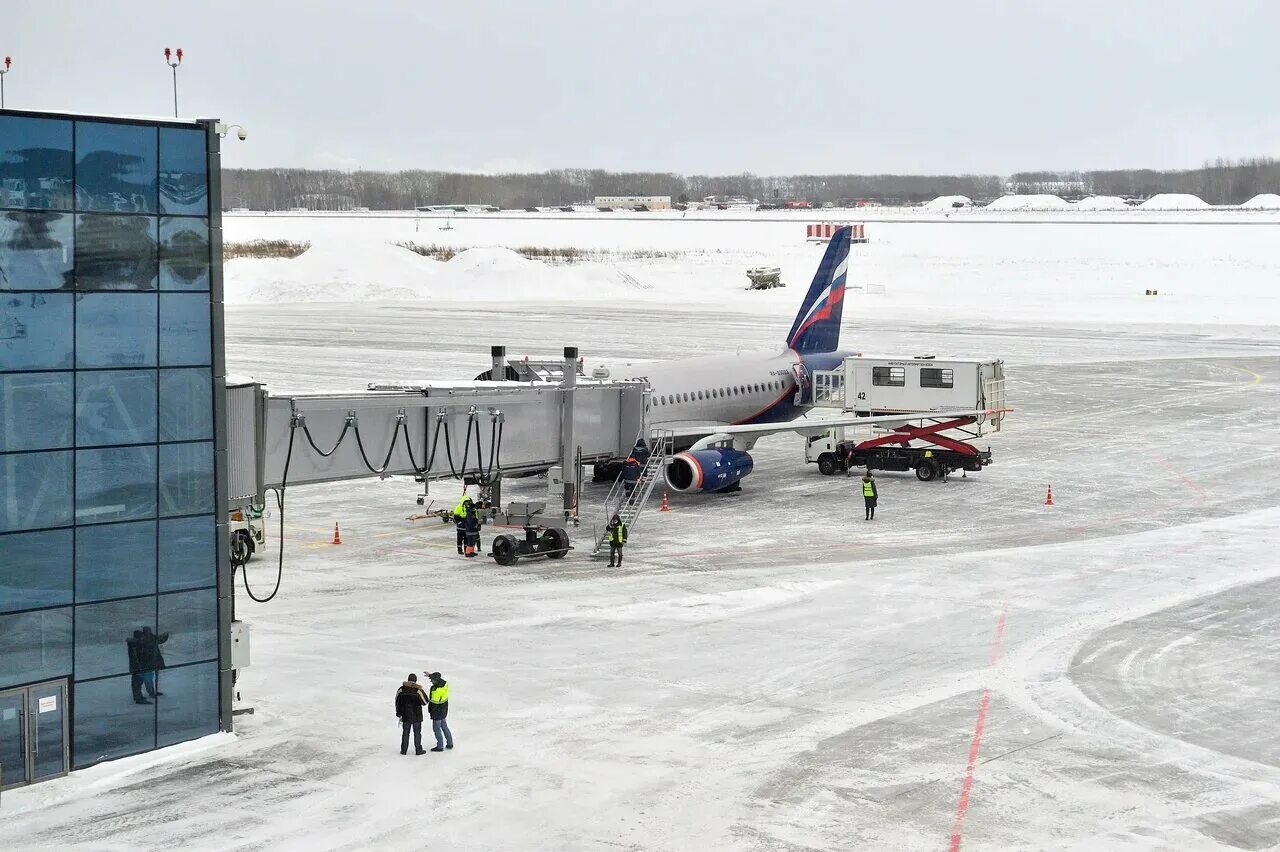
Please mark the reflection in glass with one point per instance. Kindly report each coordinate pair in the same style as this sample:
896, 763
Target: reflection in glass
116, 252
115, 407
189, 708
35, 163
191, 620
35, 411
186, 404
36, 250
107, 723
115, 329
187, 553
35, 569
35, 490
115, 560
107, 635
115, 167
186, 478
184, 329
184, 254
35, 331
35, 646
184, 164
115, 484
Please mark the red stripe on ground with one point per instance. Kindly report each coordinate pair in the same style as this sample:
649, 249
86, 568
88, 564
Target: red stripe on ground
975, 744
1183, 477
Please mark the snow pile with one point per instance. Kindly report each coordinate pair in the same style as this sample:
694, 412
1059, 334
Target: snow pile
944, 203
331, 270
1174, 201
335, 270
1028, 202
1102, 202
1263, 201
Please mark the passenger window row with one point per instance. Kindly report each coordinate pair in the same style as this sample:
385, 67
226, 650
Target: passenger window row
719, 393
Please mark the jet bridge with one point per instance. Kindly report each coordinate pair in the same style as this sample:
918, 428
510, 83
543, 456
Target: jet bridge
475, 430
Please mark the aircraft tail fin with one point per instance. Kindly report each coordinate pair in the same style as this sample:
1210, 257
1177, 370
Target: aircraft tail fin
817, 325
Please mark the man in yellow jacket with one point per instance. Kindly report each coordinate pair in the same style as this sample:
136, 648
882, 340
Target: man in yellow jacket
870, 494
438, 709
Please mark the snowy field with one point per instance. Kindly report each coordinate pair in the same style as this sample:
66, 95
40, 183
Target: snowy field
769, 672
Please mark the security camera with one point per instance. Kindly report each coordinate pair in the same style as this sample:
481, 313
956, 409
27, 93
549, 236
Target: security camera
242, 134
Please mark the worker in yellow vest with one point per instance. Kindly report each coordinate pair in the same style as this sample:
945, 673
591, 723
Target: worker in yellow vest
870, 494
438, 709
460, 518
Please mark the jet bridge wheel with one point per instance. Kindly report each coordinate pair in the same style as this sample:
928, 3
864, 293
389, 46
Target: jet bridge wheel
553, 543
925, 471
505, 551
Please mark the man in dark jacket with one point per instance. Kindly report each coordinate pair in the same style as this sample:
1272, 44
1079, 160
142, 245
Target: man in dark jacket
640, 452
134, 646
438, 707
630, 475
409, 703
471, 531
151, 659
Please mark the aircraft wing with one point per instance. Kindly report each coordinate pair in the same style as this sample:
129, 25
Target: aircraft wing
817, 425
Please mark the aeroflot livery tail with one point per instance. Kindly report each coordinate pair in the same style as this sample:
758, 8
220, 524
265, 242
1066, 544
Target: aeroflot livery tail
718, 407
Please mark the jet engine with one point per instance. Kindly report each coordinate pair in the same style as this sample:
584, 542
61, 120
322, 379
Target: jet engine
708, 469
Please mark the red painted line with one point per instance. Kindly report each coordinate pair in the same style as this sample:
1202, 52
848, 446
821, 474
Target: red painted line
1183, 477
975, 745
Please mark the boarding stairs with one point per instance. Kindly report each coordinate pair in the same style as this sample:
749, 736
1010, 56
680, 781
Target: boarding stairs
628, 507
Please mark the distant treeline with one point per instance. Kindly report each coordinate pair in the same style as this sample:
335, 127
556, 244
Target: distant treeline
1221, 182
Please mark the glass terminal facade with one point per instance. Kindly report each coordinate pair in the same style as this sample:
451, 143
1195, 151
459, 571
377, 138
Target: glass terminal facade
110, 409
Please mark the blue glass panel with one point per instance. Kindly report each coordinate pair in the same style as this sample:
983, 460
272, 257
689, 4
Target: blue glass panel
185, 337
116, 330
35, 411
186, 404
35, 569
116, 252
115, 407
184, 172
35, 331
107, 637
35, 490
35, 163
187, 553
115, 484
35, 646
115, 167
184, 254
36, 250
191, 620
189, 708
108, 723
186, 478
115, 561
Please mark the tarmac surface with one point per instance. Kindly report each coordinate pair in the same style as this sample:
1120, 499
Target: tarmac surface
973, 669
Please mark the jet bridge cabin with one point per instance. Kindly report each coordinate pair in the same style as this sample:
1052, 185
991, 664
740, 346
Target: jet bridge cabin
873, 385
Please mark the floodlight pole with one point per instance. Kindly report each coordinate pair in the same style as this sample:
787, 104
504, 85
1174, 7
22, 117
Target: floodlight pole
173, 61
8, 60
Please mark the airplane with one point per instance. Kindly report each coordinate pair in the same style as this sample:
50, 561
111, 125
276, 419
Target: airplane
717, 407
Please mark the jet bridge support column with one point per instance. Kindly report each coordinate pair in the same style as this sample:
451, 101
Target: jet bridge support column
499, 356
567, 438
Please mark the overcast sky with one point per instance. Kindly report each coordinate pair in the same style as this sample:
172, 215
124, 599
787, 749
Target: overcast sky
692, 86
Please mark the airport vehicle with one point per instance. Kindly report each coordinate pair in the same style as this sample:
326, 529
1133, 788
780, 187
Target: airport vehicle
544, 535
247, 534
765, 277
869, 385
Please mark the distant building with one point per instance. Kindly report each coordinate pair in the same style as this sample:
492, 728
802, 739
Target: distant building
632, 202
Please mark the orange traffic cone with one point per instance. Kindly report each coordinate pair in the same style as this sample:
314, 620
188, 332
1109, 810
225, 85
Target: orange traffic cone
665, 507
1048, 498
337, 539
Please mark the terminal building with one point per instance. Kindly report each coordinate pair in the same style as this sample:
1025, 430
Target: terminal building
114, 585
